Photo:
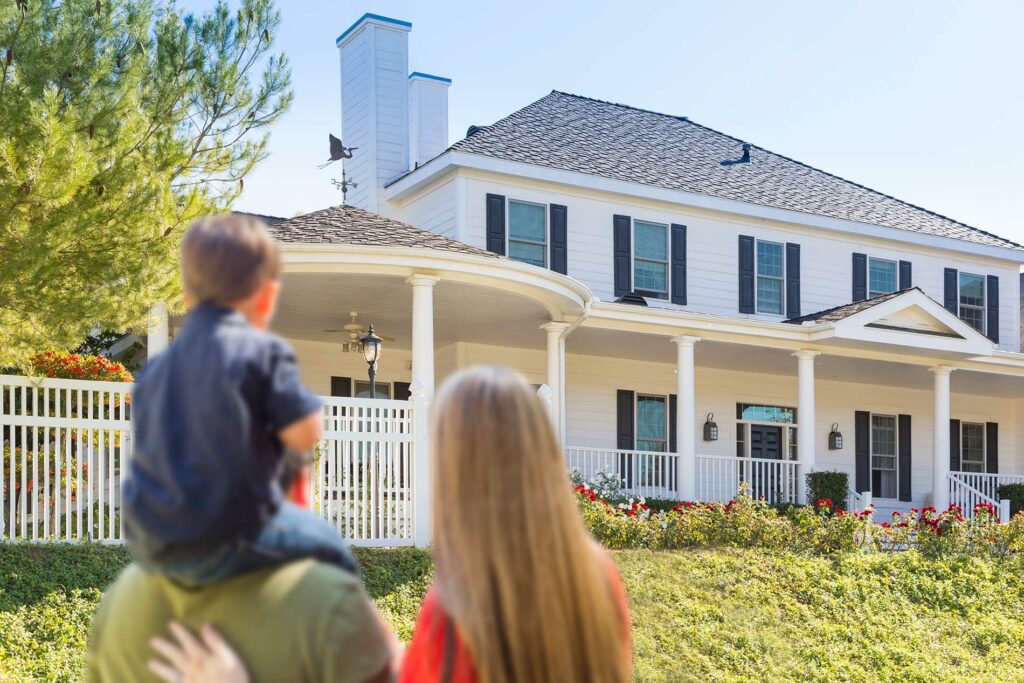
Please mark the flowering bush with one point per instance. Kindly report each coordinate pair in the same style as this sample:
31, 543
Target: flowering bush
821, 529
78, 366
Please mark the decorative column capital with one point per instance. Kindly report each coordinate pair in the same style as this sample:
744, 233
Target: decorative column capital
422, 280
806, 354
555, 327
685, 340
941, 370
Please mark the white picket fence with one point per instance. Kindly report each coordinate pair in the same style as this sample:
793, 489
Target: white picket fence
65, 444
720, 477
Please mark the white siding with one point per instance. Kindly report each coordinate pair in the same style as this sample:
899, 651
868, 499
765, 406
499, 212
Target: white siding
433, 209
712, 258
428, 119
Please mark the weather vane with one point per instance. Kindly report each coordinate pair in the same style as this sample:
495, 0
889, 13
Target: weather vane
338, 152
344, 185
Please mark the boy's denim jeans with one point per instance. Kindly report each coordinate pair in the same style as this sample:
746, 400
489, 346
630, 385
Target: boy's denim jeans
293, 533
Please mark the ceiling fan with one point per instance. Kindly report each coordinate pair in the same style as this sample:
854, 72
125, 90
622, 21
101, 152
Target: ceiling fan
355, 332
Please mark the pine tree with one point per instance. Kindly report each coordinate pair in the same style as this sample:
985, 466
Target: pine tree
121, 122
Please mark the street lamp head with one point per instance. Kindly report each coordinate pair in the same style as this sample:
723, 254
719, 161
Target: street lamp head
371, 347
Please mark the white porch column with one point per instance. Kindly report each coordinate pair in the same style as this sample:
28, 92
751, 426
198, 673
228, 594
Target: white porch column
158, 335
805, 434
423, 330
554, 371
421, 393
686, 418
940, 438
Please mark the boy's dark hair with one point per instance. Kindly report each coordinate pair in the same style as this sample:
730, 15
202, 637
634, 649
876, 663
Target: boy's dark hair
225, 259
292, 465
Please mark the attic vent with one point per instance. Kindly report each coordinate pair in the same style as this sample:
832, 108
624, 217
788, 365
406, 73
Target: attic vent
631, 298
473, 130
745, 159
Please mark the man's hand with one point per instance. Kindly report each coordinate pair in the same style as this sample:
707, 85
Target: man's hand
303, 434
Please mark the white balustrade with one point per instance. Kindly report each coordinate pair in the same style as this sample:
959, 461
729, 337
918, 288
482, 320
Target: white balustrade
965, 495
719, 478
642, 473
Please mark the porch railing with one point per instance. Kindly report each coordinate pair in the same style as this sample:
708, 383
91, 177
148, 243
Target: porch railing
719, 478
988, 484
964, 494
640, 473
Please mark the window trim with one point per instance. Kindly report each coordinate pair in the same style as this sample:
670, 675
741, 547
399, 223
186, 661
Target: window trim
896, 276
895, 456
789, 430
651, 293
984, 301
984, 446
781, 279
636, 420
547, 231
356, 382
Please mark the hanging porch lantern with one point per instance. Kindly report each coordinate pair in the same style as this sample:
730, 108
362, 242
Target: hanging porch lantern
710, 428
835, 438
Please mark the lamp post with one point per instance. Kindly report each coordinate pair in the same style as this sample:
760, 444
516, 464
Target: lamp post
371, 353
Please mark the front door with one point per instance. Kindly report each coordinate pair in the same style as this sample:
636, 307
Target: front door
766, 442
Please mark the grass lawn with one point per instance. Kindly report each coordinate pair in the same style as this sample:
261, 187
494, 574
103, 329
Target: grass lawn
700, 615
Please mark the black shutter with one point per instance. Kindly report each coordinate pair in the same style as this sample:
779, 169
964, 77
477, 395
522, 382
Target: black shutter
954, 445
673, 441
402, 391
341, 386
951, 290
992, 302
559, 239
860, 278
496, 224
992, 447
746, 274
906, 279
792, 280
626, 433
623, 255
903, 464
862, 450
678, 264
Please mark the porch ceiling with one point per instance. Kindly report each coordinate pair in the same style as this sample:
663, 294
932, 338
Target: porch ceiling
312, 303
758, 359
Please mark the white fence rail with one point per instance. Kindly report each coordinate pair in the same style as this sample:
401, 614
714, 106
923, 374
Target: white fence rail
965, 495
65, 444
988, 484
641, 473
364, 480
719, 477
64, 447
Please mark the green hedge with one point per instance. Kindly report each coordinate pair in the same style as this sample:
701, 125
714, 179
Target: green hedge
828, 485
1015, 494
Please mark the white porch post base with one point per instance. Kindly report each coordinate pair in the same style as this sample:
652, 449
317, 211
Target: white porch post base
158, 336
940, 438
686, 418
1004, 510
805, 439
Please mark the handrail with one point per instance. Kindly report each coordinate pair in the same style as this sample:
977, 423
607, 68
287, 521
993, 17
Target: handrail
952, 476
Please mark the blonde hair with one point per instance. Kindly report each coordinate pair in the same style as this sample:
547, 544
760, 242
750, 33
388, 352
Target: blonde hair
516, 570
225, 259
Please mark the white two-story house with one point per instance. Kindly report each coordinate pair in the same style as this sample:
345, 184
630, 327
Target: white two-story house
704, 310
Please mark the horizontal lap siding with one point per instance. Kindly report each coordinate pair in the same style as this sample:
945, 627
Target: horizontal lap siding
433, 210
826, 258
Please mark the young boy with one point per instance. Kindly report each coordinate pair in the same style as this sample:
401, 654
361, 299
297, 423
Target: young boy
213, 415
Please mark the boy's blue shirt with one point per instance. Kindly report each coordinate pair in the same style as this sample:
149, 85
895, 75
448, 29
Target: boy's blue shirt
206, 456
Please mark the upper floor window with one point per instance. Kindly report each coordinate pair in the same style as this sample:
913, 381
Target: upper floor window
770, 277
972, 300
527, 232
972, 447
650, 258
882, 277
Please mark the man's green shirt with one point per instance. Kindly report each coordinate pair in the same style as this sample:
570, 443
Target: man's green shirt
303, 621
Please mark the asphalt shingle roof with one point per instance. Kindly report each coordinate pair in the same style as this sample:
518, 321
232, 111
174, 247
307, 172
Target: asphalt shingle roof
349, 225
834, 315
616, 141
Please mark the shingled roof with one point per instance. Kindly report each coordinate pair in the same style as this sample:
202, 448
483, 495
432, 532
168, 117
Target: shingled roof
616, 141
834, 315
349, 225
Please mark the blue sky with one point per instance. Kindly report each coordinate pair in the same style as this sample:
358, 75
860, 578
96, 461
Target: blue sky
918, 99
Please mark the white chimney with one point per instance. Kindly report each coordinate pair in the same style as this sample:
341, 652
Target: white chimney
428, 116
375, 105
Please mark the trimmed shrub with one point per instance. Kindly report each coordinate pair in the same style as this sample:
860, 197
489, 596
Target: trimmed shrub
828, 485
1015, 494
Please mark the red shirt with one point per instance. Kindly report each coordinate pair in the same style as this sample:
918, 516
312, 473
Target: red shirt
438, 653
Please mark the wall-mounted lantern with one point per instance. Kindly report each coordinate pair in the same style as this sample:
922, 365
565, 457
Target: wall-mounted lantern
371, 354
835, 438
710, 428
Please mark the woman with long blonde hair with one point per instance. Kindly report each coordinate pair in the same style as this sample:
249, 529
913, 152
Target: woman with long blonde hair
521, 594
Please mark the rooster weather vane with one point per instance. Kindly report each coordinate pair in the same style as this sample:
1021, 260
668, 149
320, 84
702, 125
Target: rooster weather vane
338, 152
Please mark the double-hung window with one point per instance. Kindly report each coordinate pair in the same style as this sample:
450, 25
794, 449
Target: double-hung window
972, 300
528, 233
882, 277
650, 258
651, 423
770, 277
972, 447
883, 456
